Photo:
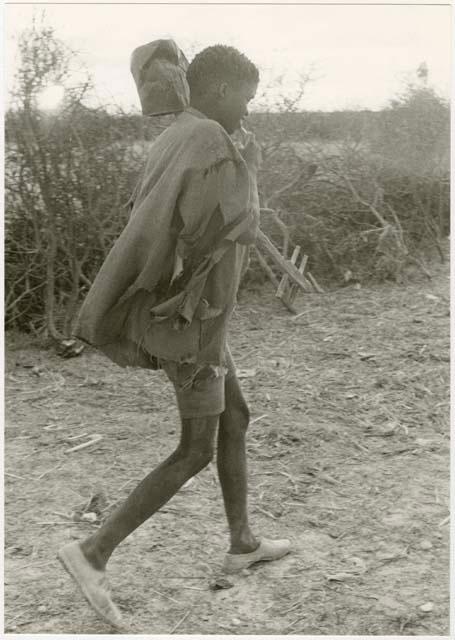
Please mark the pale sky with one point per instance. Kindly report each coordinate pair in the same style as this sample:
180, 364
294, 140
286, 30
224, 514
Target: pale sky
360, 55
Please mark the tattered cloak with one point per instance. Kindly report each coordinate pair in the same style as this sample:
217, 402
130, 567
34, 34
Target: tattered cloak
169, 284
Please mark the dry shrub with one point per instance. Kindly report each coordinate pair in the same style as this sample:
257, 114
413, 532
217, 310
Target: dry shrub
379, 199
68, 175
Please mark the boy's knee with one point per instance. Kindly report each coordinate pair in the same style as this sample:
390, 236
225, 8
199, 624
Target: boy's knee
199, 456
237, 416
237, 411
198, 448
203, 458
195, 457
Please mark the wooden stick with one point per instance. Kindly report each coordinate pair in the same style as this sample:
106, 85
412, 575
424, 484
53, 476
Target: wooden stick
285, 279
262, 261
288, 305
312, 279
303, 263
266, 245
293, 288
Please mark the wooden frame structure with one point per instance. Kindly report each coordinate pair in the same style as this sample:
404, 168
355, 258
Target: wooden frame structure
293, 278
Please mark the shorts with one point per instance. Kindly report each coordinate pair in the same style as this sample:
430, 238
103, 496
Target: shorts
199, 389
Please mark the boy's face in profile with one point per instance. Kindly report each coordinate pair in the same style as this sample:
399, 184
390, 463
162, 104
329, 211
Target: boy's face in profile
233, 104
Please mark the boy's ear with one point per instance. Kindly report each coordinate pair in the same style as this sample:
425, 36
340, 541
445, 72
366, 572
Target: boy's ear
222, 90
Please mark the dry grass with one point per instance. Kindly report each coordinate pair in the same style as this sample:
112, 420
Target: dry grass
348, 457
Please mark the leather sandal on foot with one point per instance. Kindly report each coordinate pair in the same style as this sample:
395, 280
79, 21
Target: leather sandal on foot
268, 550
92, 582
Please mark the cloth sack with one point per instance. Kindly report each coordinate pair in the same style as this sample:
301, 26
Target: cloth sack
159, 71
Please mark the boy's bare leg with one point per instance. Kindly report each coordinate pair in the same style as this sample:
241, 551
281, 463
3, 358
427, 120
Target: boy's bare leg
193, 453
232, 467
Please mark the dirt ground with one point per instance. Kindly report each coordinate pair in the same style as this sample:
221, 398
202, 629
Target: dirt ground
349, 458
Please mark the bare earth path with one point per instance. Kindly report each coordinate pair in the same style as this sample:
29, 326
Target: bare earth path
348, 457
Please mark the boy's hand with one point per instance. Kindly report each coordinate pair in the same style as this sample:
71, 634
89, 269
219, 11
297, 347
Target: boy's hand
250, 150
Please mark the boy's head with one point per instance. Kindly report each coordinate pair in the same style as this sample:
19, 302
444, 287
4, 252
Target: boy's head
222, 81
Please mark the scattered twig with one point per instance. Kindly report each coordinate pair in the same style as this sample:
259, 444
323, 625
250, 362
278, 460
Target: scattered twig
62, 515
125, 484
164, 595
13, 475
299, 315
51, 524
405, 622
264, 415
49, 471
420, 264
291, 608
359, 446
39, 564
267, 513
398, 556
333, 507
25, 622
180, 622
289, 626
289, 477
166, 577
397, 452
445, 521
327, 478
95, 438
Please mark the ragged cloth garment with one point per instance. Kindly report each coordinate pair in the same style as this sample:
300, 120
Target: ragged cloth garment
168, 286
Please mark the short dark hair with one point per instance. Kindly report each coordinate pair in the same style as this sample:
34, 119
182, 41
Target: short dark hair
220, 63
